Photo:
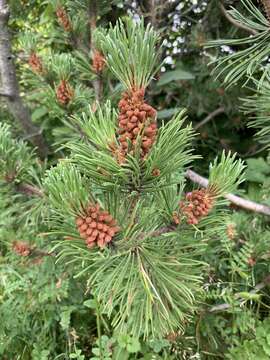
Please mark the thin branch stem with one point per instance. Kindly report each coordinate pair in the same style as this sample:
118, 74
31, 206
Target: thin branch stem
234, 22
220, 307
209, 117
10, 85
237, 200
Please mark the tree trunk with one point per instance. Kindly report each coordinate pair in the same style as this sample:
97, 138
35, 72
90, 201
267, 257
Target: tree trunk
10, 87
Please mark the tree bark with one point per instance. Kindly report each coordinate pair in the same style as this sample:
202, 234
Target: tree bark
10, 86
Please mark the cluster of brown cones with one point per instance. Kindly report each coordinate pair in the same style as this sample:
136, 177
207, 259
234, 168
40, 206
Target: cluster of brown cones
21, 248
136, 118
63, 19
35, 63
98, 62
97, 227
64, 93
197, 204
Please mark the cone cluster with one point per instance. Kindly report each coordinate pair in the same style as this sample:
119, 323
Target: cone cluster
197, 204
35, 63
98, 62
136, 118
21, 248
63, 19
64, 92
97, 227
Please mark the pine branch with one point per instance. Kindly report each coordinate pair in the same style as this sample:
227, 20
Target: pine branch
130, 52
209, 117
10, 86
234, 22
243, 203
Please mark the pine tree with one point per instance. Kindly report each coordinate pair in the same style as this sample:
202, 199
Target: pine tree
113, 201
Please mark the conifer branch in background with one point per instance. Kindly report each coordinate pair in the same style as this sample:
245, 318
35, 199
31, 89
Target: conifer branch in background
209, 117
242, 65
10, 86
235, 22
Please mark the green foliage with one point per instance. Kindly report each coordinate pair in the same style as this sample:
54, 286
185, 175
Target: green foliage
174, 75
258, 347
15, 156
66, 189
247, 62
257, 107
130, 52
257, 170
225, 175
95, 159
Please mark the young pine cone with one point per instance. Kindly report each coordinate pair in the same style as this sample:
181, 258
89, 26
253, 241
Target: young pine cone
136, 118
63, 19
98, 62
197, 204
97, 227
21, 248
64, 93
35, 63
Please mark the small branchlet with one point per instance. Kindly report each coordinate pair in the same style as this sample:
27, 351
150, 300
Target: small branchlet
129, 50
225, 175
66, 189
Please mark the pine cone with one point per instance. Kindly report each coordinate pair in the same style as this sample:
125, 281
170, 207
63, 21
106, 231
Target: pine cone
136, 118
64, 92
98, 62
231, 231
197, 204
97, 227
63, 19
21, 248
35, 63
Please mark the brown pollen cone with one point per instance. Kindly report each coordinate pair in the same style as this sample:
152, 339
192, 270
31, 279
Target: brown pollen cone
63, 19
35, 63
231, 231
197, 204
64, 92
21, 248
98, 62
96, 226
136, 118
